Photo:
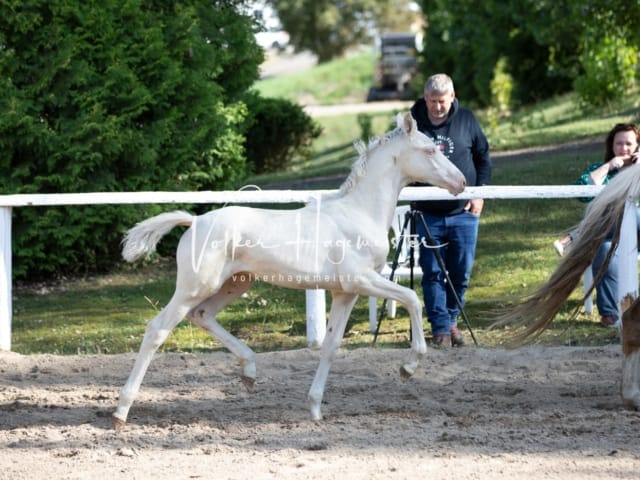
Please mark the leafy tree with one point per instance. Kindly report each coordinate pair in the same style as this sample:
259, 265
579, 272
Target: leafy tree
116, 95
468, 39
610, 47
329, 28
546, 46
397, 16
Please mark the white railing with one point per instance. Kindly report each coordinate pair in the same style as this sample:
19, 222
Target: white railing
315, 299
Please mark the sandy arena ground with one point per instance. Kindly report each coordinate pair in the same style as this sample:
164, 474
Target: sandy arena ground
472, 413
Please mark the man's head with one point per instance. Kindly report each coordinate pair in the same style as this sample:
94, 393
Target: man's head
439, 95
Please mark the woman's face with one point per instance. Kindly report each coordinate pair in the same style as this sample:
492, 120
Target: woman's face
624, 143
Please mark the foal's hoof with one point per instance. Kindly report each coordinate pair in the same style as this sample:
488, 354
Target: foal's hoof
404, 373
631, 405
408, 368
631, 402
316, 414
118, 423
248, 382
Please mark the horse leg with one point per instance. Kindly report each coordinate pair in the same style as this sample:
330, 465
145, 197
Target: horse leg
204, 315
380, 287
341, 306
630, 386
156, 333
418, 344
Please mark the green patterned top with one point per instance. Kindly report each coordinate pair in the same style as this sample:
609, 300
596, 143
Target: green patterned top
584, 178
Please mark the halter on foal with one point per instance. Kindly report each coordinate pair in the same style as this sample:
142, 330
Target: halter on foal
338, 243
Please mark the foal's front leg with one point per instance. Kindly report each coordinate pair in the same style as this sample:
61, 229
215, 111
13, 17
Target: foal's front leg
341, 306
379, 287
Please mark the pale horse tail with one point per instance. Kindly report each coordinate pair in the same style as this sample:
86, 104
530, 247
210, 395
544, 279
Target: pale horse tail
603, 213
142, 239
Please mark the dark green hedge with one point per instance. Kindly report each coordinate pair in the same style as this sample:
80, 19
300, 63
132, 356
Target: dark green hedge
116, 96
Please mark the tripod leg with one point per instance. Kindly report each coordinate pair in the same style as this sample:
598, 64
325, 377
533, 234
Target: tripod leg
440, 261
383, 309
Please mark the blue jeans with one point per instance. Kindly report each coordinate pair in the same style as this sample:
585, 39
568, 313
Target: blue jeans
456, 236
607, 287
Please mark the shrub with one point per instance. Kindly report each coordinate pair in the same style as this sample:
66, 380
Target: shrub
277, 132
116, 96
610, 68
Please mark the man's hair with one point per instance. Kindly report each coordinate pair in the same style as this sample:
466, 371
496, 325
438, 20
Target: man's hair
440, 83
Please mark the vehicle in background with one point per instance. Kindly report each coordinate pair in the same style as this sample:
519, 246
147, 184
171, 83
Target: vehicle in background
273, 40
396, 57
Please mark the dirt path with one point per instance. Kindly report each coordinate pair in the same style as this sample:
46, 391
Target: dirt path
531, 413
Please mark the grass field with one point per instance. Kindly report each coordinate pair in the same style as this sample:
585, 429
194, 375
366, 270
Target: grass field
108, 314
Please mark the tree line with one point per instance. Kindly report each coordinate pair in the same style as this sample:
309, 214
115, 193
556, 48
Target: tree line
534, 48
499, 52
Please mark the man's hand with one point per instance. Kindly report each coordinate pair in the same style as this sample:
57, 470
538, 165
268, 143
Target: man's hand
474, 206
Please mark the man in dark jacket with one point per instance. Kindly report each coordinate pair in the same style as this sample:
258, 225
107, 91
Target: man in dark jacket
453, 224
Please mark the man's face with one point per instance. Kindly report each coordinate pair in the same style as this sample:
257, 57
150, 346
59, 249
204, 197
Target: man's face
438, 105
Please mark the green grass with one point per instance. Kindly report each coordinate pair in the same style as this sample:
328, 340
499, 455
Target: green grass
333, 152
345, 80
557, 120
108, 314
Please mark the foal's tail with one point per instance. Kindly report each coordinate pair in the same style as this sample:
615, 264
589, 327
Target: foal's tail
142, 239
603, 213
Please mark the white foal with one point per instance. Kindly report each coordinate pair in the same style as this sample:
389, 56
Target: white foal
338, 243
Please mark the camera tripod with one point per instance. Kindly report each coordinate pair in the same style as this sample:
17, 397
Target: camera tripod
410, 224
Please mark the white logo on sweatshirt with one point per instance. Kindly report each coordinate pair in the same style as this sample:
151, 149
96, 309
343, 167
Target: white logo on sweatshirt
445, 144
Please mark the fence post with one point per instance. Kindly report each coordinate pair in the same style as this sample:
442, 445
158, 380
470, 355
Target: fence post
5, 278
316, 313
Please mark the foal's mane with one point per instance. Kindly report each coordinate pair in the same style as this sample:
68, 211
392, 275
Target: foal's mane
359, 167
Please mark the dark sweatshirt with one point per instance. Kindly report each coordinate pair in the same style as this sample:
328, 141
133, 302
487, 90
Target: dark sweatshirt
462, 141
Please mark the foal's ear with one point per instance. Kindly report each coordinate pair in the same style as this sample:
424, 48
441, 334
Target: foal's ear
407, 123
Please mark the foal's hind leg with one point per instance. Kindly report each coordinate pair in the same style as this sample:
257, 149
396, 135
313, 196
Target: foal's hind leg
156, 333
341, 306
204, 315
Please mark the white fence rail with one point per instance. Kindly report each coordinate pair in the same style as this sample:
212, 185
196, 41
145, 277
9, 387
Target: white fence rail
315, 304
